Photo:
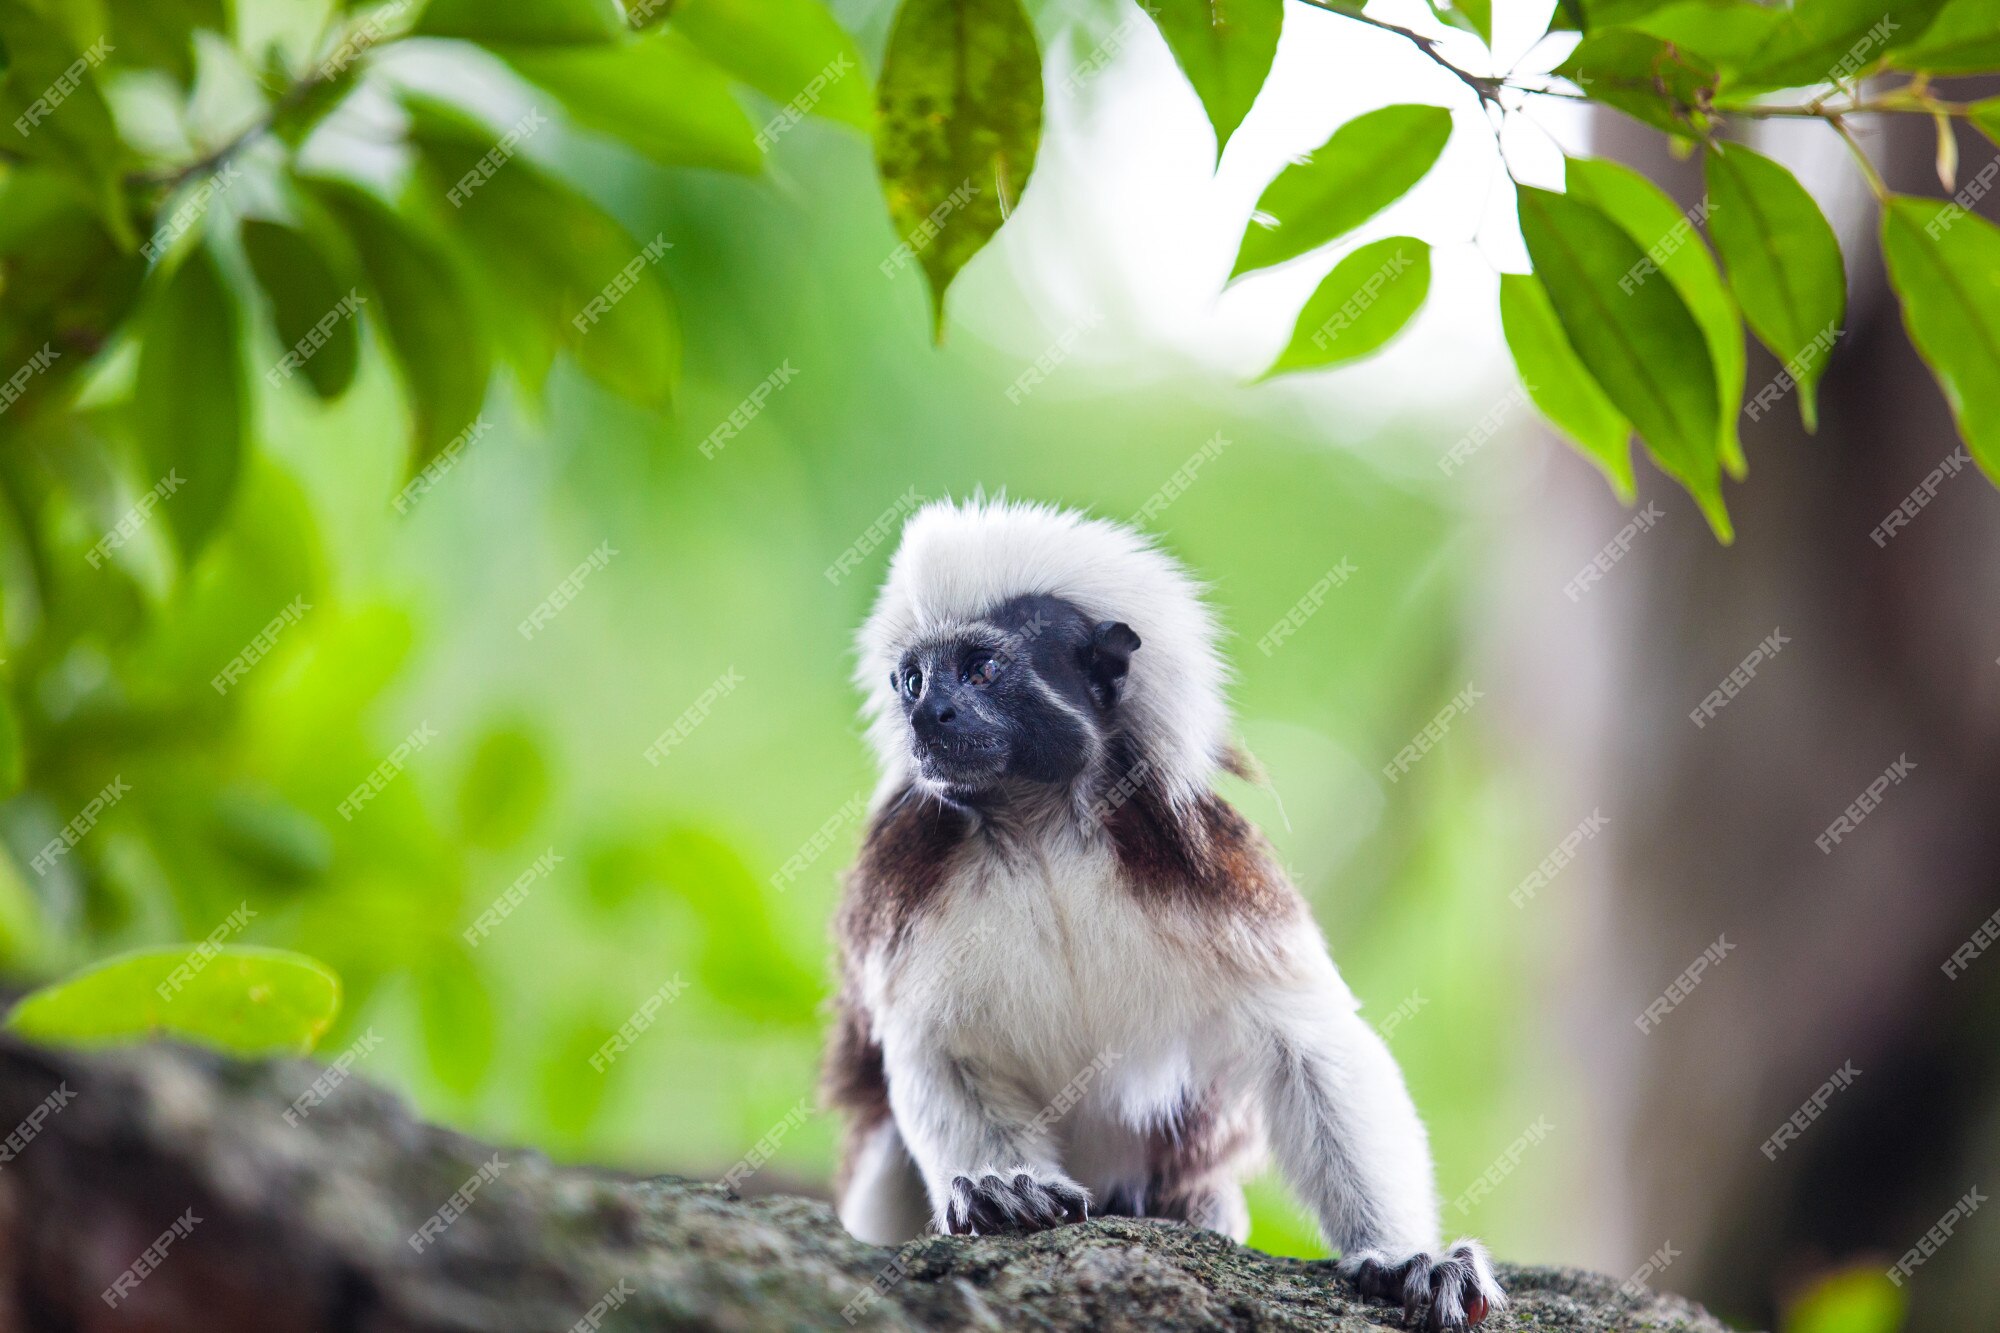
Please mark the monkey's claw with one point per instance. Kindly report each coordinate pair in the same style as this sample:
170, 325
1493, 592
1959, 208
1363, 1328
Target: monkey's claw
1458, 1286
995, 1205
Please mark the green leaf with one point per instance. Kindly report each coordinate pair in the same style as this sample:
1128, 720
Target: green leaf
243, 1000
959, 110
1664, 85
459, 1026
1474, 16
59, 115
1758, 48
744, 964
1224, 47
535, 22
64, 282
420, 304
294, 119
1725, 32
315, 313
1590, 15
1671, 240
13, 760
559, 270
1784, 263
1826, 41
272, 839
27, 935
1363, 303
505, 788
569, 1091
189, 397
1640, 343
1365, 166
160, 35
1985, 116
1560, 385
656, 93
1963, 39
793, 51
1945, 264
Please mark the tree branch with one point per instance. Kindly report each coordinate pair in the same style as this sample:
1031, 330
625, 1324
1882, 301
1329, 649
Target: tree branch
1912, 99
359, 34
263, 1201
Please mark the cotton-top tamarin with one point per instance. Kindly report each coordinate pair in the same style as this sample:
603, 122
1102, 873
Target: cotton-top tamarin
1074, 981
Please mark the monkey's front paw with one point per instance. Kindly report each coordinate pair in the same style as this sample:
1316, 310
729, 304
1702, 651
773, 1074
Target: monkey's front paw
997, 1205
1458, 1285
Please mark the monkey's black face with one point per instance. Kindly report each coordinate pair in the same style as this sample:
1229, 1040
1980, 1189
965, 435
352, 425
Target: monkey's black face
1029, 692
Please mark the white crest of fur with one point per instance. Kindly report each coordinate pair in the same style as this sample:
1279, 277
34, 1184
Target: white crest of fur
959, 561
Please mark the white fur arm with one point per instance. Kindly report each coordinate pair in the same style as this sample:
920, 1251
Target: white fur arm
1341, 1122
960, 1127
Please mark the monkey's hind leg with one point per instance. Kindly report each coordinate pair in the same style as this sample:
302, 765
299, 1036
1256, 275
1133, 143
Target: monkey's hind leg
884, 1201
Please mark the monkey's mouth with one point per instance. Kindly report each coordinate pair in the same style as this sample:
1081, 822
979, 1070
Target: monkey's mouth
961, 759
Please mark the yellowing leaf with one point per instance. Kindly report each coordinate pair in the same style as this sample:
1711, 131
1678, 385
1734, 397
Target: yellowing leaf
960, 119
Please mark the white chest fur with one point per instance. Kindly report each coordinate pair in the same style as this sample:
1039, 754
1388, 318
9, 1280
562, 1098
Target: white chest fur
1043, 971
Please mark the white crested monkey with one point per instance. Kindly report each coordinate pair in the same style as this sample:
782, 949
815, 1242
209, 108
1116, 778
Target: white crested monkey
1074, 981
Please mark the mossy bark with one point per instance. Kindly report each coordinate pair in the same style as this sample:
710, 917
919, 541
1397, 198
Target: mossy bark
342, 1218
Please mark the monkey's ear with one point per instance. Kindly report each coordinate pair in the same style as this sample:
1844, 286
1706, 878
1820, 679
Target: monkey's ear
1108, 658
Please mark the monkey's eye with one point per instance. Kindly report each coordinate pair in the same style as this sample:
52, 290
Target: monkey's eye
981, 668
913, 682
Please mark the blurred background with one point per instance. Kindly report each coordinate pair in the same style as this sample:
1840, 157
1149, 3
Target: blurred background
1507, 910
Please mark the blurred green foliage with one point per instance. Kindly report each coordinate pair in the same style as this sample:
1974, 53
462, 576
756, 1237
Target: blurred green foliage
1852, 1300
414, 411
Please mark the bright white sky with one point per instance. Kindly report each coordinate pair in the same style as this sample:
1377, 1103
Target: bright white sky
1123, 216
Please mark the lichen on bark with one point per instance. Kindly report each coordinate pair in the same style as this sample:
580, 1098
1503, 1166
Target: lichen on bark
318, 1222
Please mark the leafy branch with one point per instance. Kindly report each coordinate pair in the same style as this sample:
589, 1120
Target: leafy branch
957, 118
1912, 98
1632, 322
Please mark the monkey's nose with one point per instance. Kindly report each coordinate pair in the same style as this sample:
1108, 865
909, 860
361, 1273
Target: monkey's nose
934, 712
